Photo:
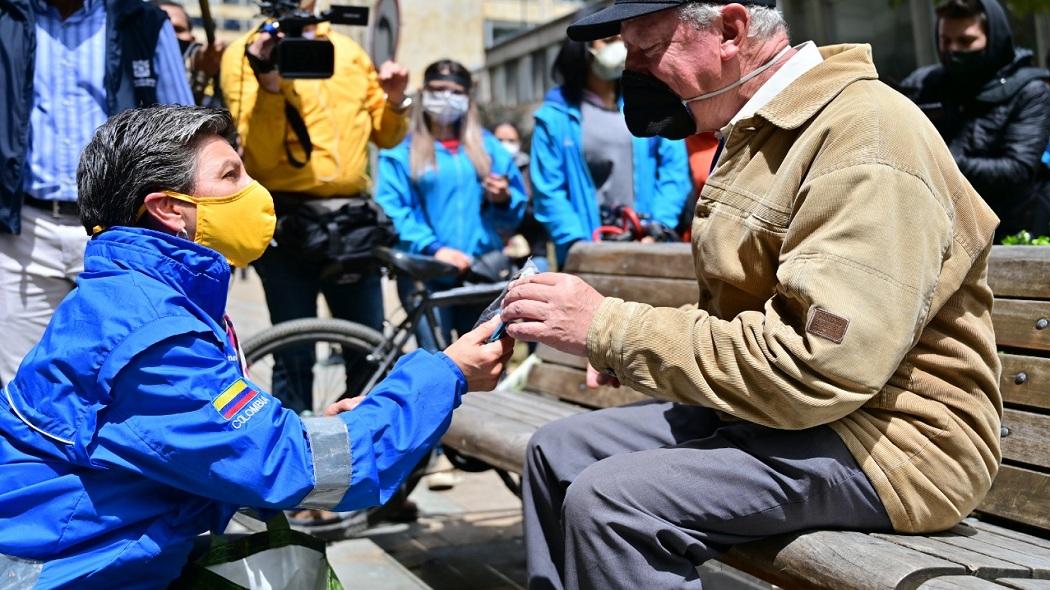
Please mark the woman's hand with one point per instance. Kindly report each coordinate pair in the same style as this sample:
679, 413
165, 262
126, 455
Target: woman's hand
454, 257
481, 363
343, 405
497, 189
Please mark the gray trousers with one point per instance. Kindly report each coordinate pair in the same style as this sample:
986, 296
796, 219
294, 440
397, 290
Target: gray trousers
639, 496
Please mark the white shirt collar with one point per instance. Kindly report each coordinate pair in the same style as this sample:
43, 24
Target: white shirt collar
805, 59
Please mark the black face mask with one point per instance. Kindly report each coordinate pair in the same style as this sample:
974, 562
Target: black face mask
187, 47
969, 67
652, 108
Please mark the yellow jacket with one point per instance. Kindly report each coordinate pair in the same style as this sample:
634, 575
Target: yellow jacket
341, 113
842, 260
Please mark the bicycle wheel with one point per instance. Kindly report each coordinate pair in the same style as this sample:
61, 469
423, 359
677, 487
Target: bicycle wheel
320, 360
328, 359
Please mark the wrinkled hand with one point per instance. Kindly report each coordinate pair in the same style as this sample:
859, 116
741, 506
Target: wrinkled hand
555, 309
208, 58
393, 79
343, 405
454, 257
481, 363
497, 189
596, 379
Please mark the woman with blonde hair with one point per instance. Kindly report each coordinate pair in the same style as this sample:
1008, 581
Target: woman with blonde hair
452, 190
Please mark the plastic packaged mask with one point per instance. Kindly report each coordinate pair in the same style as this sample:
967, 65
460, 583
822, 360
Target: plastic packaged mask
239, 226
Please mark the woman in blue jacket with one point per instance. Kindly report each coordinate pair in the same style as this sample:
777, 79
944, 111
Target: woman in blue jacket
584, 158
131, 428
451, 189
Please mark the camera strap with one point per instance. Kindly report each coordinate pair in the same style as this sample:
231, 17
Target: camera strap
295, 121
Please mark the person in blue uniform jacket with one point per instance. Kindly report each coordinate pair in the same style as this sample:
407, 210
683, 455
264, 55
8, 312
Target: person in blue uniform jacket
452, 190
584, 158
131, 427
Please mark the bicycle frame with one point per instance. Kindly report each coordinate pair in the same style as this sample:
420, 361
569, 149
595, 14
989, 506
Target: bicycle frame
424, 303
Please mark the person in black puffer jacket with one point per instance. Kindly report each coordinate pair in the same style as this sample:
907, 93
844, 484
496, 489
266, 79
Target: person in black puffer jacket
993, 110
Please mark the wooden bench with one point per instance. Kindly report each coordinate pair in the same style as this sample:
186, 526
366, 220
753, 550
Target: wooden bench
1006, 544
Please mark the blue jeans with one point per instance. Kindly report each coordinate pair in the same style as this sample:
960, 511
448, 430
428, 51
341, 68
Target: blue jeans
292, 285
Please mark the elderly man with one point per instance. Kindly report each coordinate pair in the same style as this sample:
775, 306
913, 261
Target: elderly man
841, 369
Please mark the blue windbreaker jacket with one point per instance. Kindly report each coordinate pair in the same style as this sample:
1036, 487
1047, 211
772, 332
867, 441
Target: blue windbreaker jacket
562, 187
446, 206
130, 428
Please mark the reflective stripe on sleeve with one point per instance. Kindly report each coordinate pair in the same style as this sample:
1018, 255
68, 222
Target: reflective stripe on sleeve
18, 574
330, 444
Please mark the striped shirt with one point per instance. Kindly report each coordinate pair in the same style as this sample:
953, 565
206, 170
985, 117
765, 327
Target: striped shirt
69, 95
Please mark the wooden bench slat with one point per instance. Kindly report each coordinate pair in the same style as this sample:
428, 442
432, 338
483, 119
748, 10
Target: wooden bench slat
1019, 271
508, 405
1019, 494
669, 261
1028, 440
655, 292
1021, 584
974, 562
838, 560
1005, 532
1026, 380
1013, 271
496, 440
961, 583
1016, 320
571, 384
1009, 550
557, 357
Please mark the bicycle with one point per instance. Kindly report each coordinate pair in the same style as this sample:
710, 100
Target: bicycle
337, 359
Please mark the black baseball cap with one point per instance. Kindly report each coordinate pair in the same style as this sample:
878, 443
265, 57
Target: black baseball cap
606, 23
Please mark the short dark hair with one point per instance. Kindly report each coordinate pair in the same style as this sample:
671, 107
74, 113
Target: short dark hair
163, 3
961, 9
141, 151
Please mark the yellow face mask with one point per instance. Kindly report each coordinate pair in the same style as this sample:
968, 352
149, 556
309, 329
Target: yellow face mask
239, 226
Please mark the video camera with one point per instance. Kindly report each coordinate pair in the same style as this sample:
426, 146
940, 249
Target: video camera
297, 56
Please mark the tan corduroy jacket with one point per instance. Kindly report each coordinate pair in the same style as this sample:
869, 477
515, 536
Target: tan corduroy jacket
842, 260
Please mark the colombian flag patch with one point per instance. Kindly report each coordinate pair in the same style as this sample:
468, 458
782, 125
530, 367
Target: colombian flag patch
234, 398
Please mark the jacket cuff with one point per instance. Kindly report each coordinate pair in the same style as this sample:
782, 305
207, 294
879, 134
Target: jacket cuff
432, 248
606, 334
461, 379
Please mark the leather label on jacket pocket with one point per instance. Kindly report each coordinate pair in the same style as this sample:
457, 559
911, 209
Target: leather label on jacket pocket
827, 325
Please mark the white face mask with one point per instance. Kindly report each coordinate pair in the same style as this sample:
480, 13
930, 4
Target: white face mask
445, 107
513, 147
609, 61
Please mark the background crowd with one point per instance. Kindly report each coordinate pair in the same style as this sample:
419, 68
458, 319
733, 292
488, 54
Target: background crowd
480, 200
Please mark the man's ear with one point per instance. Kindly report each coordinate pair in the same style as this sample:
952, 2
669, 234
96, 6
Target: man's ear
164, 212
735, 24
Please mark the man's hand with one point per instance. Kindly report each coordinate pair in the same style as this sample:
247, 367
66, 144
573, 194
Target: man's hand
454, 257
343, 405
208, 58
497, 189
596, 379
393, 79
481, 363
555, 309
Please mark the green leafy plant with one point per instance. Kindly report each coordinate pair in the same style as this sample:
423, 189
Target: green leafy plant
1025, 239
